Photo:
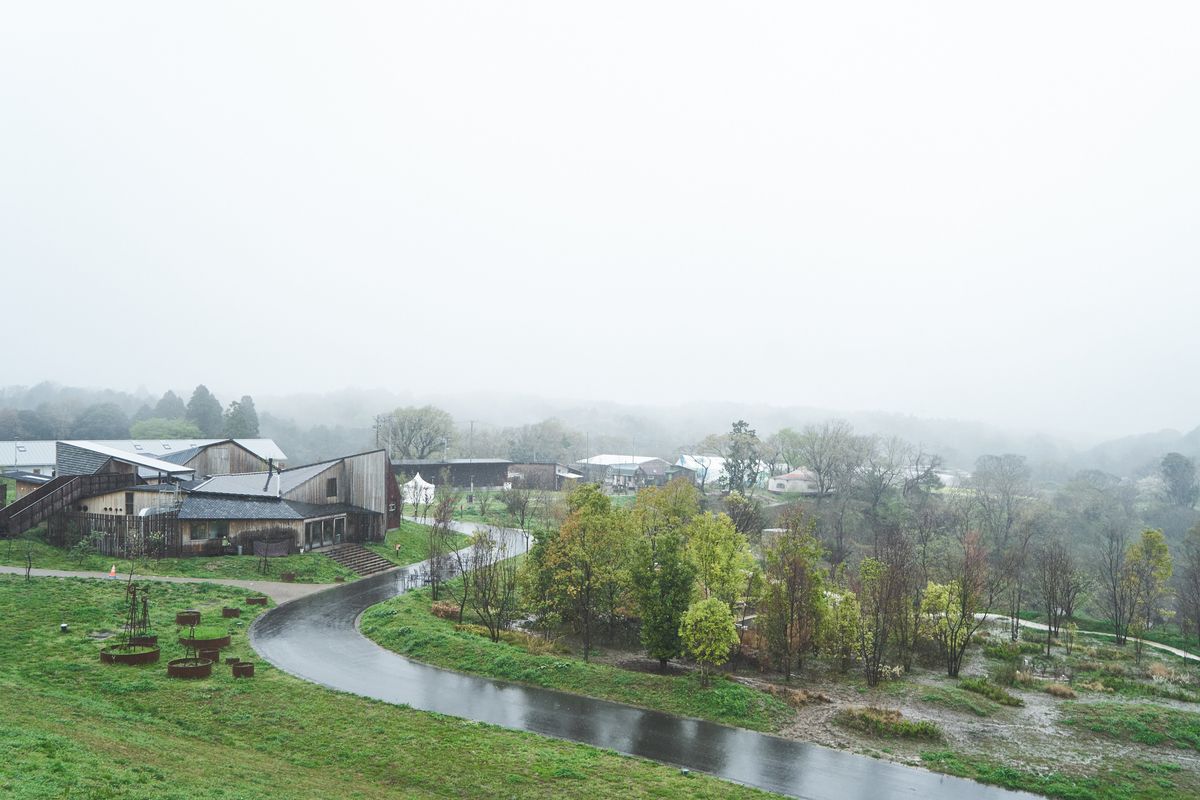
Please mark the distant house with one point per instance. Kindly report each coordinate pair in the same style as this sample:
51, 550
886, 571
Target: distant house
595, 469
480, 473
637, 476
546, 475
23, 482
799, 481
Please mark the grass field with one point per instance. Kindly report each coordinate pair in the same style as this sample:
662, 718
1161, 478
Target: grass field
1168, 634
73, 727
1147, 724
309, 567
405, 624
409, 543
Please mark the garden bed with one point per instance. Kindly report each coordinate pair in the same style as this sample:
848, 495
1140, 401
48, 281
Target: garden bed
131, 654
189, 668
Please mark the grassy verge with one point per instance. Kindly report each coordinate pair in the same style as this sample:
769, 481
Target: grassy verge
405, 624
1116, 779
991, 691
309, 567
73, 727
1146, 724
409, 543
956, 699
887, 723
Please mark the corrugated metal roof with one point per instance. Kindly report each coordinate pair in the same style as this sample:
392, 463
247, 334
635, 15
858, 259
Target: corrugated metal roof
27, 454
254, 484
153, 464
608, 459
40, 453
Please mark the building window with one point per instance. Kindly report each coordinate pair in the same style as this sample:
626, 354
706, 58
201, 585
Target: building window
331, 487
209, 530
129, 504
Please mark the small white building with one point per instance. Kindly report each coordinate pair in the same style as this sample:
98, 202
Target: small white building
799, 481
418, 490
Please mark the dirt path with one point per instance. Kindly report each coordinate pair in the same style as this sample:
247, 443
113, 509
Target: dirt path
279, 592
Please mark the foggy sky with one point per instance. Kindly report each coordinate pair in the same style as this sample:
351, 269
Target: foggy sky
942, 209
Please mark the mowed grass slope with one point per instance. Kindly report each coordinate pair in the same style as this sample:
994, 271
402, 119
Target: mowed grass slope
72, 727
409, 544
405, 624
309, 567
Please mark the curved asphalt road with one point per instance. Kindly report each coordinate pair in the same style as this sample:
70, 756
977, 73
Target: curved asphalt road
315, 638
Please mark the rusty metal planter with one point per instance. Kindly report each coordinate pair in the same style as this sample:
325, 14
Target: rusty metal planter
256, 601
186, 618
228, 612
189, 668
116, 655
243, 669
205, 644
144, 641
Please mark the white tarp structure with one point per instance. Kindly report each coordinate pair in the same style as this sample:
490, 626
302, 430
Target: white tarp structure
418, 490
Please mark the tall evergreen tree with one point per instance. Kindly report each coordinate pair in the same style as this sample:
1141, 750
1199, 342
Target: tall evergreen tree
204, 411
241, 420
662, 579
101, 421
170, 406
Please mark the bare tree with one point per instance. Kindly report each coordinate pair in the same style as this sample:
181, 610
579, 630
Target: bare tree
1115, 591
516, 500
493, 577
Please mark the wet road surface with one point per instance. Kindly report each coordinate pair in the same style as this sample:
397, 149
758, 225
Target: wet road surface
315, 638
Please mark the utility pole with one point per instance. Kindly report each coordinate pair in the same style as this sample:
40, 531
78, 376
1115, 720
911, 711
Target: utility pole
471, 440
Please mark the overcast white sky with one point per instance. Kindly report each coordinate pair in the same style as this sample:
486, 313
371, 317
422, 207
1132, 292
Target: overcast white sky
956, 209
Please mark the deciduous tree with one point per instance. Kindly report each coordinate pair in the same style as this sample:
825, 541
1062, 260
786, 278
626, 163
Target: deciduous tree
708, 634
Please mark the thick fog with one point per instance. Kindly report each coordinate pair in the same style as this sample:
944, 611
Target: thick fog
938, 209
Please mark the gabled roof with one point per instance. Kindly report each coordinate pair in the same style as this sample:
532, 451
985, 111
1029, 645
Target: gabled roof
255, 484
199, 506
608, 459
25, 477
151, 465
41, 452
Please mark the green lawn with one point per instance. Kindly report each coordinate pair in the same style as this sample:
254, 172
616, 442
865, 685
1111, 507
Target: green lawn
309, 567
405, 624
1147, 724
1115, 779
73, 727
412, 539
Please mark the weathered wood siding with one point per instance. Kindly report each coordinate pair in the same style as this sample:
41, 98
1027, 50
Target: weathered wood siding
114, 502
225, 458
313, 489
366, 478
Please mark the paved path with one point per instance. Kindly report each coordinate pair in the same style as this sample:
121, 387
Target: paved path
316, 638
1038, 626
277, 591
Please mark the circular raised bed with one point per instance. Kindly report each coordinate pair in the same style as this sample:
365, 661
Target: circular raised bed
243, 669
256, 601
287, 577
212, 655
339, 579
187, 618
144, 641
228, 612
205, 644
128, 654
189, 668
232, 660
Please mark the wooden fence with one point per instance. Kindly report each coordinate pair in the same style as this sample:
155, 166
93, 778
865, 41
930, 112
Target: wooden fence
119, 536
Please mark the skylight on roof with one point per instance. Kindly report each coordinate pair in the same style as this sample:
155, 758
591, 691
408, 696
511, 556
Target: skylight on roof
166, 446
137, 447
20, 448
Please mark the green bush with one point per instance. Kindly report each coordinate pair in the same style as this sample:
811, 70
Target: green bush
990, 691
887, 723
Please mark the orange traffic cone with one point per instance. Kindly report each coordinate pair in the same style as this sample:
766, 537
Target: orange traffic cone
112, 573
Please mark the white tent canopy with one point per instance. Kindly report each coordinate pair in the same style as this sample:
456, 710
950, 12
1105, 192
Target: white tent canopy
418, 490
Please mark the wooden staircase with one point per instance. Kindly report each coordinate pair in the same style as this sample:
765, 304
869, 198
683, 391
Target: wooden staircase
358, 558
60, 494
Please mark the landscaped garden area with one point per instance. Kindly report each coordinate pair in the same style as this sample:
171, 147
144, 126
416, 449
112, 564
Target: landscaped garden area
75, 727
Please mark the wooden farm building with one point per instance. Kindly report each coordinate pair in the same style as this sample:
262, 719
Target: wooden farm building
481, 473
137, 503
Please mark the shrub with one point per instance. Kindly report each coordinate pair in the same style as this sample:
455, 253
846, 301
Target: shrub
990, 691
1060, 690
887, 723
444, 609
1005, 674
